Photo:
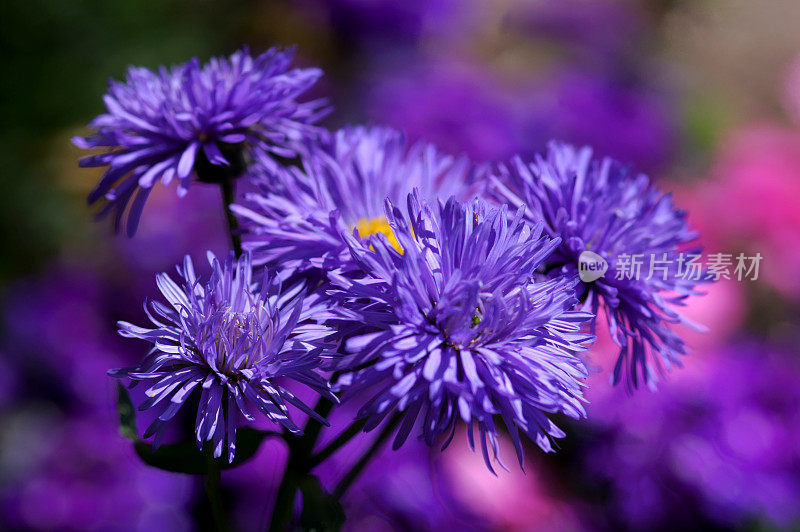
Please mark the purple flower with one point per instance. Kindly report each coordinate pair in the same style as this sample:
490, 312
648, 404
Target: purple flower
599, 206
165, 124
231, 342
451, 327
296, 220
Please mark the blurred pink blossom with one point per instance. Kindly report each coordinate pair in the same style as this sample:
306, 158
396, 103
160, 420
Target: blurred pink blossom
791, 89
750, 204
514, 500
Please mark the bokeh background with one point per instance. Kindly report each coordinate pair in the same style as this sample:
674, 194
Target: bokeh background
704, 95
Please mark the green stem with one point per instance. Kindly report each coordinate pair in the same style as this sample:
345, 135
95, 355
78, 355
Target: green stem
297, 466
337, 443
313, 429
284, 501
228, 187
359, 466
212, 486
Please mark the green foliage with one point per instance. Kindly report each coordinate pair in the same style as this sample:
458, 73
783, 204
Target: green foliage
184, 457
321, 511
127, 414
56, 60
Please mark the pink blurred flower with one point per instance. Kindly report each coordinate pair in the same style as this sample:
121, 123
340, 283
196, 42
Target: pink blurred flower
721, 311
513, 500
750, 205
791, 89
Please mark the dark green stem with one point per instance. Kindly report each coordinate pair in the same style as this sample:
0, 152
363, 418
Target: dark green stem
284, 501
212, 486
297, 466
359, 466
228, 187
313, 428
338, 442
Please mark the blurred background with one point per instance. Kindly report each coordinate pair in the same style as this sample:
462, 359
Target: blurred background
704, 95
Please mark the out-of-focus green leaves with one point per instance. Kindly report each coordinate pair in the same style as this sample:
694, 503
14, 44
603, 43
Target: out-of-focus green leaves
61, 54
705, 120
321, 511
127, 414
184, 457
56, 58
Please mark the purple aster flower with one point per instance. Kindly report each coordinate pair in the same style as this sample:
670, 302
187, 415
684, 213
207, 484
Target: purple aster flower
230, 341
451, 327
168, 124
599, 206
297, 218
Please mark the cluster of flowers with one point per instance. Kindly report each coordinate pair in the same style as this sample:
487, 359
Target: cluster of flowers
438, 291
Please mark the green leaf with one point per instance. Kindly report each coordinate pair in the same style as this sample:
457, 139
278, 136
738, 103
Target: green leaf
248, 441
185, 457
127, 414
321, 511
181, 457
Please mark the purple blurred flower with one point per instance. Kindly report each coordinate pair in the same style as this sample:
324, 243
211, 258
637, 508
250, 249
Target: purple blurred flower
230, 341
54, 333
161, 241
721, 442
296, 220
490, 115
598, 205
398, 489
462, 107
64, 465
8, 381
75, 472
162, 125
619, 119
603, 29
398, 19
451, 327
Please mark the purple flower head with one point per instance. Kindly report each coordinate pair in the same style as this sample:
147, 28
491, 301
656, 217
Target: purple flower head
597, 205
231, 342
297, 218
171, 123
451, 327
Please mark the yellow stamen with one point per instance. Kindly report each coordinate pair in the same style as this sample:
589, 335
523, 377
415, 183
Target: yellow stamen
373, 226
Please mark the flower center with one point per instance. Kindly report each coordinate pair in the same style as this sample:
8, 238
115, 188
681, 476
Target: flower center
237, 323
245, 334
373, 226
476, 319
